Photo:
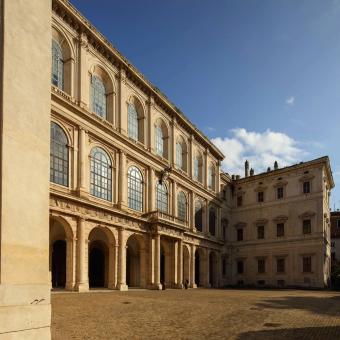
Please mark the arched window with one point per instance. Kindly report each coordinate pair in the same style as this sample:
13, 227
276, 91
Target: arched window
198, 168
57, 65
211, 177
212, 221
181, 206
198, 216
179, 155
135, 189
58, 156
159, 141
162, 198
132, 122
98, 96
101, 174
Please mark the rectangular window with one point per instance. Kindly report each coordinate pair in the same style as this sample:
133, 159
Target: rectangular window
306, 187
280, 193
338, 223
280, 265
239, 201
307, 264
240, 234
260, 232
240, 267
307, 227
280, 230
261, 266
260, 196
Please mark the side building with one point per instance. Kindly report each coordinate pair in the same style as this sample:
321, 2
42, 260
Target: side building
335, 236
278, 233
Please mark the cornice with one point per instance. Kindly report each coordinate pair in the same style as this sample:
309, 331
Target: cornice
83, 27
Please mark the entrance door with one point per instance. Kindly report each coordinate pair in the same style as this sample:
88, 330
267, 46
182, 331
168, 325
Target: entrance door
96, 267
59, 264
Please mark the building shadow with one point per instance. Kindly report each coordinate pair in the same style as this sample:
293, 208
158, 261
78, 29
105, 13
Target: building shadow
318, 305
307, 333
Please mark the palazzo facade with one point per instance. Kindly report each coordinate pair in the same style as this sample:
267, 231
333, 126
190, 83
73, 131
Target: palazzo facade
137, 196
134, 193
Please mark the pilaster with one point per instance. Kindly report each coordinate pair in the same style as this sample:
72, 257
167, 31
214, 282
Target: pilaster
122, 286
122, 194
82, 284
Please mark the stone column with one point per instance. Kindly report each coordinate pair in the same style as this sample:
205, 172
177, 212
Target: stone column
173, 142
151, 188
82, 284
174, 198
70, 269
191, 157
192, 282
122, 260
206, 163
192, 211
151, 104
180, 264
218, 179
157, 270
112, 273
83, 83
207, 268
122, 102
122, 194
206, 219
82, 163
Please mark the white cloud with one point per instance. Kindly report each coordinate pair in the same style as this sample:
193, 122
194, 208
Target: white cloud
290, 101
211, 129
261, 149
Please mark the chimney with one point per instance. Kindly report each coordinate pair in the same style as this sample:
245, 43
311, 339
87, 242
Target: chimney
233, 177
251, 172
268, 169
246, 169
276, 165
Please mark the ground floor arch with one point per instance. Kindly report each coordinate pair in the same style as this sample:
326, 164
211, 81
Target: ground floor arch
186, 264
200, 261
100, 263
212, 269
61, 254
135, 261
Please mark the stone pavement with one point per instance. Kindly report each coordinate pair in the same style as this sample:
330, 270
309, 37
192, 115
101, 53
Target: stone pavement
196, 314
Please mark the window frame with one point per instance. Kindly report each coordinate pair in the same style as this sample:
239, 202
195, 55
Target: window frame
162, 198
133, 122
58, 60
98, 96
280, 226
182, 206
135, 186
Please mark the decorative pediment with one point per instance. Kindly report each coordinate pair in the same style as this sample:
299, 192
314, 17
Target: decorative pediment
306, 178
307, 214
280, 218
240, 225
261, 221
280, 184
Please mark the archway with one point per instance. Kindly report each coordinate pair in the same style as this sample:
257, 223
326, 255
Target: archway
186, 264
212, 269
162, 265
197, 268
98, 261
61, 254
134, 262
59, 264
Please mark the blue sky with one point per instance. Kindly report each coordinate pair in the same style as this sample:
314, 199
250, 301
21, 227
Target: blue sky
261, 78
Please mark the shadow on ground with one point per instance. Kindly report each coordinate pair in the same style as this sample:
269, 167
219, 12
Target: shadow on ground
307, 333
318, 305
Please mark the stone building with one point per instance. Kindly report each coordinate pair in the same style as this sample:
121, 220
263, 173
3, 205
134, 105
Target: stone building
279, 227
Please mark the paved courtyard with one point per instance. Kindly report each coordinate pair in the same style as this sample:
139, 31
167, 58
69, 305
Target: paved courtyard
196, 314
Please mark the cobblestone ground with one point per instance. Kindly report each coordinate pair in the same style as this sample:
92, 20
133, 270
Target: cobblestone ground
196, 314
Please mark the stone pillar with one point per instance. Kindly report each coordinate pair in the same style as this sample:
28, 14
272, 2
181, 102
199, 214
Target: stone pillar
173, 142
180, 264
122, 260
122, 102
112, 282
142, 268
174, 198
206, 219
207, 268
152, 187
151, 104
192, 211
157, 263
122, 194
218, 179
82, 163
25, 106
70, 268
82, 284
83, 83
191, 157
206, 166
192, 282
